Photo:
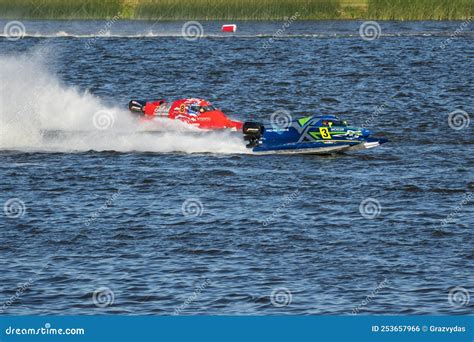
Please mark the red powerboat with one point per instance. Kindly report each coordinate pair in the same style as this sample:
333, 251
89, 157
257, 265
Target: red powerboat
196, 112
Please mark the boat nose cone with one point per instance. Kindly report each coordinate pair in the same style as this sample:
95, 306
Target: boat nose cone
365, 132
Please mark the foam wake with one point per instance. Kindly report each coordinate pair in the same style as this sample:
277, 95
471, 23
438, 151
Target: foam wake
39, 113
151, 34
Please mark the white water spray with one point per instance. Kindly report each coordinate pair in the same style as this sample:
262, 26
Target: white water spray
39, 113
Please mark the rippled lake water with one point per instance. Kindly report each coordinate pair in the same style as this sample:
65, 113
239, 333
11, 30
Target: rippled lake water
123, 220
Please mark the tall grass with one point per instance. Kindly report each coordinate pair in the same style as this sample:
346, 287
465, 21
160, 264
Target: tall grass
420, 9
238, 9
171, 9
60, 9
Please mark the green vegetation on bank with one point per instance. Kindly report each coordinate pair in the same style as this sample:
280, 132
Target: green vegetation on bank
59, 9
420, 9
238, 9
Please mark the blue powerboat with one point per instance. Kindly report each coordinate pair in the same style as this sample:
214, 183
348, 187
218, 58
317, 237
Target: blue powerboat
308, 135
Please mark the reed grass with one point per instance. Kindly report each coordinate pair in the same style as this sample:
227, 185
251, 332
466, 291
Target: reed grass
59, 9
420, 9
238, 9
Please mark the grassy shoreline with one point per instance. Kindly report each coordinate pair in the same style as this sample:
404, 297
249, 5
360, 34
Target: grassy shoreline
239, 9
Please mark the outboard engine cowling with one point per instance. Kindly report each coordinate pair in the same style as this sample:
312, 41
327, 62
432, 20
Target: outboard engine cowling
253, 132
137, 106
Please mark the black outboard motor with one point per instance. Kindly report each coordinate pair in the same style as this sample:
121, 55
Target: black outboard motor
253, 132
136, 106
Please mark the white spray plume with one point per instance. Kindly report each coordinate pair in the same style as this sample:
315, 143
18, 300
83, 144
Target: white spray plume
39, 113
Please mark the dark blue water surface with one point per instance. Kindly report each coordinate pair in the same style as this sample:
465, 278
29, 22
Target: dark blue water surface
125, 221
